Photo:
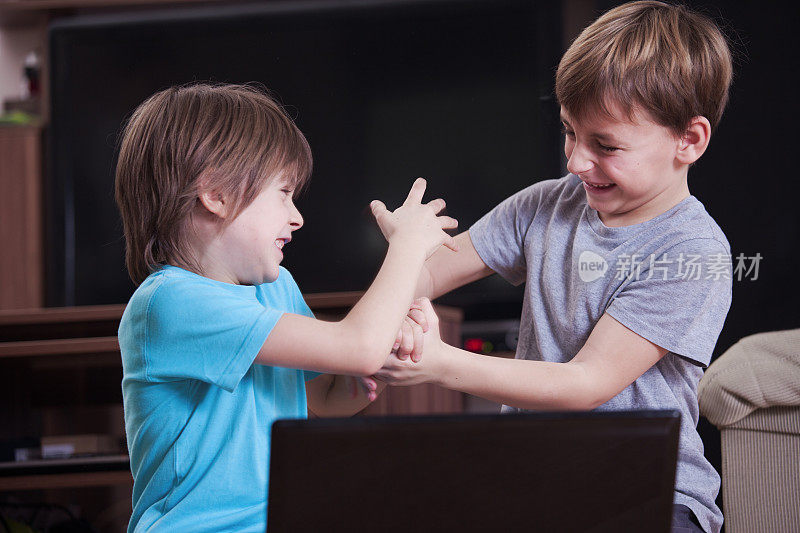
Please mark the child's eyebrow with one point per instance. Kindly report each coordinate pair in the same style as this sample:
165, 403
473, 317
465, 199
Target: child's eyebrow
605, 137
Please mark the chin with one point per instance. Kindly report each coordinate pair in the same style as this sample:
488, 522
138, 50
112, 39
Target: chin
271, 276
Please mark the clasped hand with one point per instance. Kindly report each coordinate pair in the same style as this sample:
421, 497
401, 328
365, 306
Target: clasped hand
416, 355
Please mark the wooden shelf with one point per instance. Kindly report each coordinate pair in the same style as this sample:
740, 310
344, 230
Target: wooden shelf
46, 315
65, 473
96, 345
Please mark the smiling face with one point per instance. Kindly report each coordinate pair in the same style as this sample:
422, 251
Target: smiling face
630, 169
252, 244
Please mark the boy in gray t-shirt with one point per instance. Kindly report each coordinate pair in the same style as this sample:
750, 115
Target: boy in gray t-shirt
628, 278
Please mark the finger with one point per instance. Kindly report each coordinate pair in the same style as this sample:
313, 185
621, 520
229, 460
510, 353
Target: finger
407, 344
430, 313
437, 205
397, 340
418, 316
451, 243
447, 222
369, 384
417, 192
416, 353
378, 209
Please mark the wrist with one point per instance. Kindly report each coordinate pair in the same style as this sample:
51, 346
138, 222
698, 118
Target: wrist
409, 248
443, 357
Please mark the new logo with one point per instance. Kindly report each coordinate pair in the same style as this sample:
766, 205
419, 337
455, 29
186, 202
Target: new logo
591, 266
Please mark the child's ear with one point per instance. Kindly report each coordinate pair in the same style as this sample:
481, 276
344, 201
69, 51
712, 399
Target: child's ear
214, 203
694, 141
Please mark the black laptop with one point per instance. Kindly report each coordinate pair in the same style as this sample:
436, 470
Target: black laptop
548, 472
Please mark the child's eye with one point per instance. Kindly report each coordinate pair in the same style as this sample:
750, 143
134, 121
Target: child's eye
565, 131
607, 148
287, 191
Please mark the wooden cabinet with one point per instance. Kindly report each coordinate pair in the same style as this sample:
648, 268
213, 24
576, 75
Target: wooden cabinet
21, 263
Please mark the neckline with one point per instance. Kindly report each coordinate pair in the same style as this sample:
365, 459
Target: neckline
624, 231
188, 273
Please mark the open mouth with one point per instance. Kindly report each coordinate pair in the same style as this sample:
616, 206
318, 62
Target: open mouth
604, 187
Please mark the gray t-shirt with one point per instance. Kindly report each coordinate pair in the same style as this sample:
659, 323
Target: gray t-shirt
667, 279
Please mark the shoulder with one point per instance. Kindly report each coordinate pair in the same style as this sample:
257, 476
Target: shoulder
536, 200
687, 228
690, 224
134, 318
181, 288
546, 191
170, 294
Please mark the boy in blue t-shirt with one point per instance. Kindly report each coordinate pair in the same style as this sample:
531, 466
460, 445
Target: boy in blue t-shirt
212, 338
627, 276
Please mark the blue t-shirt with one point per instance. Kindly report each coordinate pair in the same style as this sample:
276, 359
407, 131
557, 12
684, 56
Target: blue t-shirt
198, 412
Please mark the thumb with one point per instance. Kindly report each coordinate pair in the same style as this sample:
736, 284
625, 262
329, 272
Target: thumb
451, 243
427, 308
378, 208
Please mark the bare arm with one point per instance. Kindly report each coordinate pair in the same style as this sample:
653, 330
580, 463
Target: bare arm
340, 395
359, 344
446, 270
612, 358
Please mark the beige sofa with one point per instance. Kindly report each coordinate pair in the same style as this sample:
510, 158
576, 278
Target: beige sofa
752, 394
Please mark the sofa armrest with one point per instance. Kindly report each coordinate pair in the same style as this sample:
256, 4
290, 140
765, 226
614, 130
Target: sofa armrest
758, 372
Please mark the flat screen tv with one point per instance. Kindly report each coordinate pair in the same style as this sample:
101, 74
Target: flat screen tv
459, 92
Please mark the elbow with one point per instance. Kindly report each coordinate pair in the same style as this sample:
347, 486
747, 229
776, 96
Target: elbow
580, 401
593, 402
587, 393
361, 352
371, 355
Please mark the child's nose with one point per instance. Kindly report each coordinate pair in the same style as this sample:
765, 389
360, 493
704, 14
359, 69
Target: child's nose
579, 161
295, 218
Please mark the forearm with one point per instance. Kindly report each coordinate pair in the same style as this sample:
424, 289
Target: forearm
336, 396
378, 314
519, 383
360, 343
425, 283
447, 270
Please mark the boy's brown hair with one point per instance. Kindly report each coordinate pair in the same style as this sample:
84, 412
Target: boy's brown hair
664, 59
228, 139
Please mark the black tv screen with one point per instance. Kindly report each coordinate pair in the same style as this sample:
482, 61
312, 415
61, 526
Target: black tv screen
459, 92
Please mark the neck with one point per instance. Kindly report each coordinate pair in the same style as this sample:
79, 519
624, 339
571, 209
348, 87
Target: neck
661, 203
210, 254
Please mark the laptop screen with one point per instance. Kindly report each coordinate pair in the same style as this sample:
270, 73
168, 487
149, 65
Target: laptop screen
587, 471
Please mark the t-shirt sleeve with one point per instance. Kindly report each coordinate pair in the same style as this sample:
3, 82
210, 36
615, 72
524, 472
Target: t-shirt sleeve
196, 330
499, 236
678, 299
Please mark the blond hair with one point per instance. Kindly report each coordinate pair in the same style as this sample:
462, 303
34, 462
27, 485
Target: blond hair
667, 60
228, 139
